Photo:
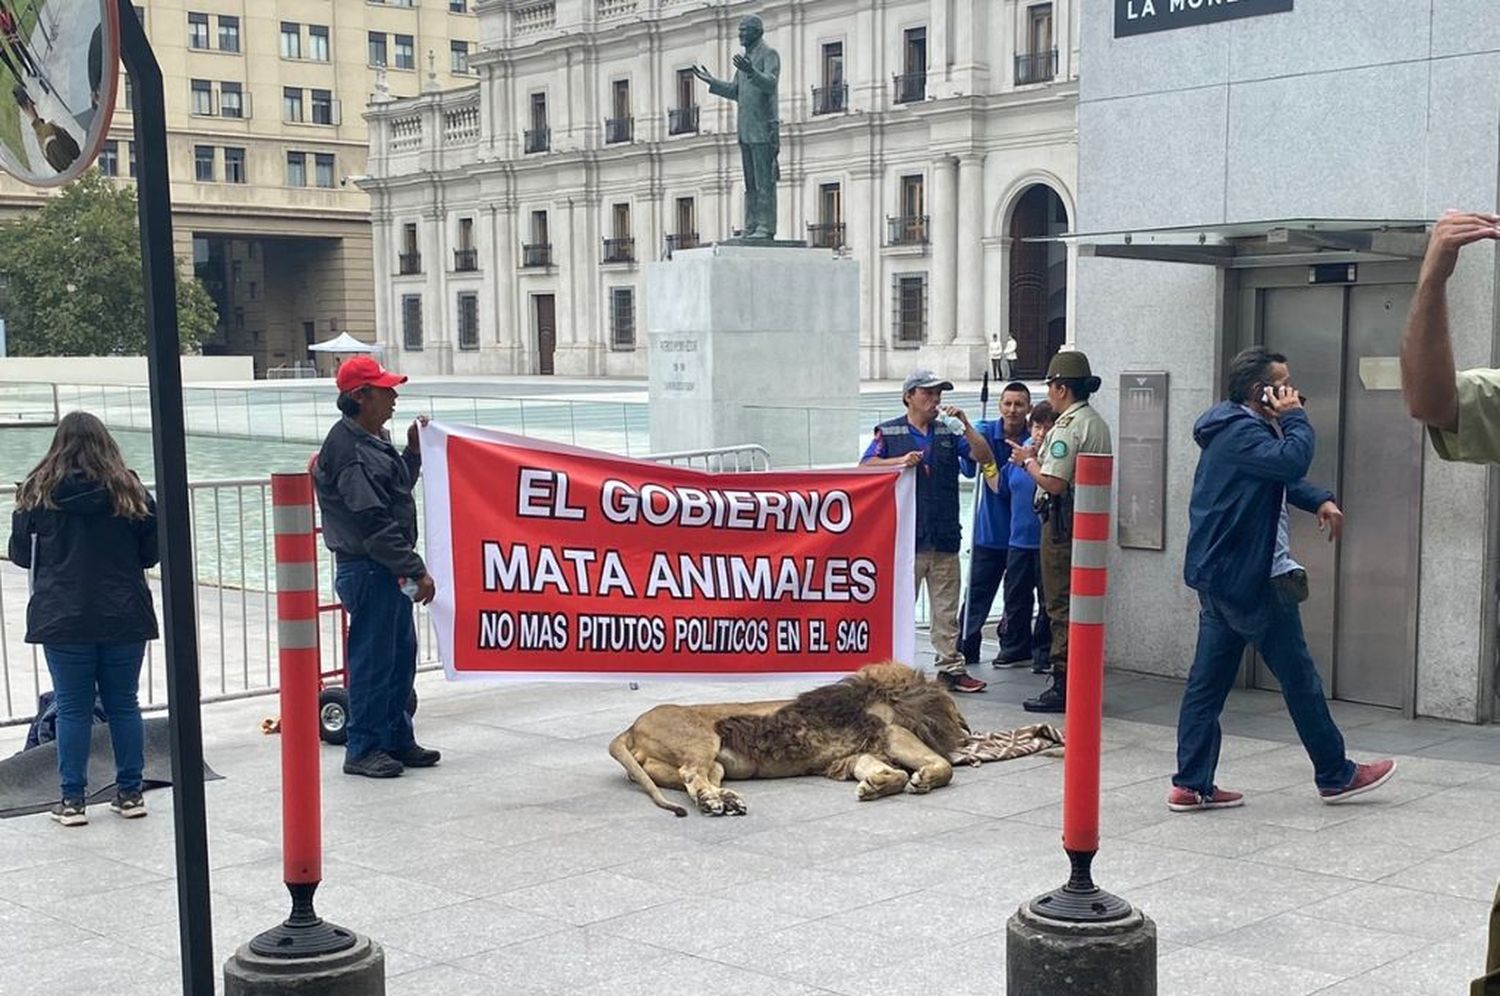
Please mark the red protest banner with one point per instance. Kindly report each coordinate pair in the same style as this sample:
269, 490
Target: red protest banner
556, 561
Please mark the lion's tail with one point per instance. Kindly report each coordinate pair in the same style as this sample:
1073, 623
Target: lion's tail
621, 752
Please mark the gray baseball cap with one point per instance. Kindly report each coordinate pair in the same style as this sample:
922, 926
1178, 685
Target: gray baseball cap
925, 378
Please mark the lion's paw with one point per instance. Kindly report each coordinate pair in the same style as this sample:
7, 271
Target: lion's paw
881, 784
917, 785
734, 805
711, 805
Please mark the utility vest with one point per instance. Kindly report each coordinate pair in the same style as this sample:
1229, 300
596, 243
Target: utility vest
938, 528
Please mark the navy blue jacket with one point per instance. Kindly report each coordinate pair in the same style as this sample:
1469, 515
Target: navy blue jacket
1244, 473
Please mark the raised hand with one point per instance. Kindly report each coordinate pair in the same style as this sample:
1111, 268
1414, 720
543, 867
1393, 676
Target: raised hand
1453, 231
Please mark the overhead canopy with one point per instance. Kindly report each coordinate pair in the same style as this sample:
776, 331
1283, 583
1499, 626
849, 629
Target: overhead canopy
343, 343
1259, 243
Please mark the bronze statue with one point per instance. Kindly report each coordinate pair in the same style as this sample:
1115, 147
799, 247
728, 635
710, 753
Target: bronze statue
756, 71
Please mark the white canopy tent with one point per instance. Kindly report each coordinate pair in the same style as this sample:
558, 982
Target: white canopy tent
343, 343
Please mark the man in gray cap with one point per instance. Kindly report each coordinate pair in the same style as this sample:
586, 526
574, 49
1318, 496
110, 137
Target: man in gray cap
930, 438
1079, 429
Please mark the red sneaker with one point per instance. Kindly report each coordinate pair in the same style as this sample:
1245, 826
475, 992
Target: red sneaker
1185, 800
1366, 777
961, 681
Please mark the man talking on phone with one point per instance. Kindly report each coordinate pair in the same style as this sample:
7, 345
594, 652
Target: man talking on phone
1256, 448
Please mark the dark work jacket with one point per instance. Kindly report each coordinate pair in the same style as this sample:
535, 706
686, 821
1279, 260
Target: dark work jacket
1244, 472
364, 489
88, 580
938, 527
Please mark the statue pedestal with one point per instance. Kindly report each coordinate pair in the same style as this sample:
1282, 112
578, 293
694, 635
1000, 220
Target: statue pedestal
755, 344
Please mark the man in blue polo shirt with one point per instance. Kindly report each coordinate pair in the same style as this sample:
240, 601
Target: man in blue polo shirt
992, 525
931, 438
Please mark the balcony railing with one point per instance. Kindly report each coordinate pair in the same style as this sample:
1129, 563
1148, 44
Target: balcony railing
681, 240
907, 230
618, 130
826, 236
410, 262
465, 260
910, 87
619, 250
536, 254
831, 99
538, 139
1036, 67
682, 120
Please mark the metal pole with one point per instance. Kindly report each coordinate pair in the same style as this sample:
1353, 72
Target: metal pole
180, 635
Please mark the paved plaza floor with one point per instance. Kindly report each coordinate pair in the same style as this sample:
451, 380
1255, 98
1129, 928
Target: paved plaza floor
526, 863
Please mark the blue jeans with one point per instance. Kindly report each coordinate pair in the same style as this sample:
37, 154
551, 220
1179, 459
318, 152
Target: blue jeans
112, 671
381, 663
1274, 627
986, 568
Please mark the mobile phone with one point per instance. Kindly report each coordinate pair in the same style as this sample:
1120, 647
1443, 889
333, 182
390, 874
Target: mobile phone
1268, 395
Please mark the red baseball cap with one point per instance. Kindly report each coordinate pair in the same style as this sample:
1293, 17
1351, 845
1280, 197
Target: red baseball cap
363, 371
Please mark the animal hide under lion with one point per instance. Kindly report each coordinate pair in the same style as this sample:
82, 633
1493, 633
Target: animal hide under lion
1006, 745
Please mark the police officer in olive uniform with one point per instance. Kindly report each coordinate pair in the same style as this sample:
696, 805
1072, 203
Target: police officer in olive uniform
1079, 429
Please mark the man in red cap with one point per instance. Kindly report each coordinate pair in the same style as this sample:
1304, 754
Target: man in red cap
370, 523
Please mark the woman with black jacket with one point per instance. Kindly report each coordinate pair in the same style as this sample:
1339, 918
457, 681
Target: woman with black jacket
85, 527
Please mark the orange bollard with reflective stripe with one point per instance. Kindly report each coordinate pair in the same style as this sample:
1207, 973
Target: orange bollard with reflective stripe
297, 641
1080, 900
1085, 715
304, 934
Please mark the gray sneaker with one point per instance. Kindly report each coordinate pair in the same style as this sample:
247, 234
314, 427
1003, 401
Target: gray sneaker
129, 805
70, 813
376, 764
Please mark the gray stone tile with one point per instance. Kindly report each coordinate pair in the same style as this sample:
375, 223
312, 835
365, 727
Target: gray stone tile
588, 898
1344, 853
434, 979
1229, 833
469, 928
1469, 872
399, 961
1436, 970
964, 966
82, 874
567, 961
26, 930
81, 967
820, 954
698, 925
695, 975
818, 892
810, 843
693, 869
1196, 971
1293, 939
930, 919
1403, 911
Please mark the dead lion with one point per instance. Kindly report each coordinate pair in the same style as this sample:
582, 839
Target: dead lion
875, 726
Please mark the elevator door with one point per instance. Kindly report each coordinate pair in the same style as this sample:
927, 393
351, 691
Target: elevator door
1359, 617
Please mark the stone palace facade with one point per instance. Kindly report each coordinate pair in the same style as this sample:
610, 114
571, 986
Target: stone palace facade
929, 139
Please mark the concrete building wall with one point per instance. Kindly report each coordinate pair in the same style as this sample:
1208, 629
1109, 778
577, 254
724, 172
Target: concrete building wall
1337, 109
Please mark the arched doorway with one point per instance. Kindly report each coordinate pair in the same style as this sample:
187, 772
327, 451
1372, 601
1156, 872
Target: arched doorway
1038, 279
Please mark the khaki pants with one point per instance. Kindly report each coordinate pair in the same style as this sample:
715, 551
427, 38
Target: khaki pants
1057, 582
941, 572
1489, 984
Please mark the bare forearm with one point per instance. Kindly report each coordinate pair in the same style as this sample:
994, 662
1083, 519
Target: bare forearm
1428, 380
979, 447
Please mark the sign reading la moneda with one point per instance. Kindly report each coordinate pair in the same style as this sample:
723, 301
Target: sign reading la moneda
1138, 17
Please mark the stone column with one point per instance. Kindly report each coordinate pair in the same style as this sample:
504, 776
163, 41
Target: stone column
385, 324
970, 323
943, 234
437, 326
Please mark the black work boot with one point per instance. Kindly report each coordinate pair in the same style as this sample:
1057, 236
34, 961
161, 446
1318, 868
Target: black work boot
376, 764
1053, 699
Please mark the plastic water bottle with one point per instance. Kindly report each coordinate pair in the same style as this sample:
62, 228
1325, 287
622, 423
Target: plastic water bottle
410, 588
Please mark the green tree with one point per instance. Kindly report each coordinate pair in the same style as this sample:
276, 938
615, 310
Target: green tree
73, 281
